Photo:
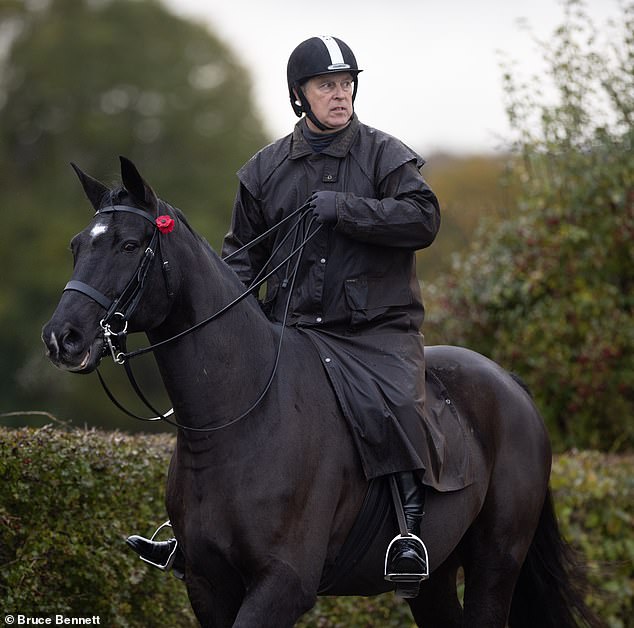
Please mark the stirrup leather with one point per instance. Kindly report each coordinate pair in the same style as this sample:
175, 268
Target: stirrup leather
406, 577
170, 560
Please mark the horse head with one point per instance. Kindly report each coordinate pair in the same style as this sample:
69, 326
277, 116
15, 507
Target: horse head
117, 285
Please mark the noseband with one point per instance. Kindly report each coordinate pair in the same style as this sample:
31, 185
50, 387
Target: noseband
121, 308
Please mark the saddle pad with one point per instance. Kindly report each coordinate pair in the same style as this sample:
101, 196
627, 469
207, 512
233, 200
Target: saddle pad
450, 456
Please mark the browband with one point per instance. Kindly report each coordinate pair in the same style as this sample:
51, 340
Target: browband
130, 210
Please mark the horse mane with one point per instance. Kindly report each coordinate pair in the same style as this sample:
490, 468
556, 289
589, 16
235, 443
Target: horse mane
183, 220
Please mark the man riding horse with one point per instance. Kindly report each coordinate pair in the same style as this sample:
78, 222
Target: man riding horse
354, 290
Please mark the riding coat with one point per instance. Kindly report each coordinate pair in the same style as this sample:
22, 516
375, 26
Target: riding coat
354, 292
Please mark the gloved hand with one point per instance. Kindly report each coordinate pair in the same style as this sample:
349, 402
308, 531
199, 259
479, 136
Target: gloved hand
324, 206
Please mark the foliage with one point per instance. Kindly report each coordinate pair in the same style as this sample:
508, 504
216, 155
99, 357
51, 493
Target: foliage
70, 498
470, 188
68, 501
383, 611
86, 81
548, 292
594, 493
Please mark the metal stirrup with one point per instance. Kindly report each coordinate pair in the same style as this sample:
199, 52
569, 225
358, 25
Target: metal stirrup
170, 560
405, 534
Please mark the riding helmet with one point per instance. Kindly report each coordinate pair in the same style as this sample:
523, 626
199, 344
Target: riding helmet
315, 56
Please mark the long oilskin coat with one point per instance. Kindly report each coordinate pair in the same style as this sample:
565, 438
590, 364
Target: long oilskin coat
356, 295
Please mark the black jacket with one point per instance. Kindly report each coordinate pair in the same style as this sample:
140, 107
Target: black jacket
359, 272
356, 295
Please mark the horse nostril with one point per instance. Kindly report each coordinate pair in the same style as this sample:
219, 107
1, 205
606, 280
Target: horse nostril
70, 340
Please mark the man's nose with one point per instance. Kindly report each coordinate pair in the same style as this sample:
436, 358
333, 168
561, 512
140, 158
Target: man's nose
340, 92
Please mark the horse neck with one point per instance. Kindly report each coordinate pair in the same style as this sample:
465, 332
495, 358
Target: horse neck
226, 361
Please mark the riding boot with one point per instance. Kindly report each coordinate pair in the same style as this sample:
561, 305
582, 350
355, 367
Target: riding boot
406, 559
165, 555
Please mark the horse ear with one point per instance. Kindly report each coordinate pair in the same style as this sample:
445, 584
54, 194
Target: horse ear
136, 185
94, 190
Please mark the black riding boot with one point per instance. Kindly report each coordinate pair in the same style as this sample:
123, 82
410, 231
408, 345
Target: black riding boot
165, 555
406, 560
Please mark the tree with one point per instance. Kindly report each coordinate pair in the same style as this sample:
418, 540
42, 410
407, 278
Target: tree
86, 81
548, 292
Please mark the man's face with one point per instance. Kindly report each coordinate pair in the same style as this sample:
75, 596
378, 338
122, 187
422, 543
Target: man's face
330, 98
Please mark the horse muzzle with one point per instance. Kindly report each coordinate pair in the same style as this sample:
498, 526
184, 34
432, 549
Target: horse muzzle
69, 349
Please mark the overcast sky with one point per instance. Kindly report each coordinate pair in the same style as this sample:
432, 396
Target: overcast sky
432, 73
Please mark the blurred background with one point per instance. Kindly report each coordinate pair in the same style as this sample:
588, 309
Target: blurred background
431, 70
523, 112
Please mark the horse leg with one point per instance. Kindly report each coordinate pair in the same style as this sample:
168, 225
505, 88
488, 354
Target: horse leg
489, 585
214, 606
437, 605
493, 551
275, 598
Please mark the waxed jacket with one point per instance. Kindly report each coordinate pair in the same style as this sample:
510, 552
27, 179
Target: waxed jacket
355, 295
360, 271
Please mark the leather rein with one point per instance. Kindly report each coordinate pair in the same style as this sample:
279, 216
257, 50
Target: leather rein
122, 308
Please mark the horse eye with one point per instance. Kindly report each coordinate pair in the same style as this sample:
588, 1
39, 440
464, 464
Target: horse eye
130, 246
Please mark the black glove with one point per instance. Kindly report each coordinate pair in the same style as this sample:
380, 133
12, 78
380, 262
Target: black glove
324, 206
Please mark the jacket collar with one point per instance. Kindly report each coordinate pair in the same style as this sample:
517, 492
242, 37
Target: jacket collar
339, 147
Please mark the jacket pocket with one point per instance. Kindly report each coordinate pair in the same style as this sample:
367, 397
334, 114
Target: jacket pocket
370, 297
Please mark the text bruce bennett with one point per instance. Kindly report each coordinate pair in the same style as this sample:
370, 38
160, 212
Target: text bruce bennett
55, 620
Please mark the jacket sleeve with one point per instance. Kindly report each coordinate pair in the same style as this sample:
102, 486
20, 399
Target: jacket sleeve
405, 214
247, 223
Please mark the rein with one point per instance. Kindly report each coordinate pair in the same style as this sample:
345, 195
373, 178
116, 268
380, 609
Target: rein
257, 282
123, 307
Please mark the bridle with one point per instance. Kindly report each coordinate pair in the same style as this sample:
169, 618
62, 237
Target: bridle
122, 308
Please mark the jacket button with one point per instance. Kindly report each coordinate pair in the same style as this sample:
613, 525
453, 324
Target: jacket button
323, 260
318, 319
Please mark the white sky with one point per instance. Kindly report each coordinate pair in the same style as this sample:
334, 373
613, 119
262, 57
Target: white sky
432, 73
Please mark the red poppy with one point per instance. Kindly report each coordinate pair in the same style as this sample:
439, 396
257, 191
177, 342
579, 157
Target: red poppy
165, 224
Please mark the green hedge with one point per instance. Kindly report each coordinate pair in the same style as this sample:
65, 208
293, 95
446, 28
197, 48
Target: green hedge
594, 495
69, 499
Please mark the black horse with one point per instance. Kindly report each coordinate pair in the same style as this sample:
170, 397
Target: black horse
265, 484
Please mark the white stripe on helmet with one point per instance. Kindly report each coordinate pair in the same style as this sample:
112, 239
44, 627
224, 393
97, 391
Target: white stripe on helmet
336, 56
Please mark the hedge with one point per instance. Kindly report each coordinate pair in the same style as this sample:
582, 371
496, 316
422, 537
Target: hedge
69, 499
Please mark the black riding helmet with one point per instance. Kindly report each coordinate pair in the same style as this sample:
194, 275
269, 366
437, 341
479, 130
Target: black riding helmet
315, 56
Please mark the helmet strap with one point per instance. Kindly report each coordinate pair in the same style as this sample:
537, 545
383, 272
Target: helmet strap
309, 112
317, 123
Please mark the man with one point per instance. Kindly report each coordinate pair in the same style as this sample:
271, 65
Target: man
355, 294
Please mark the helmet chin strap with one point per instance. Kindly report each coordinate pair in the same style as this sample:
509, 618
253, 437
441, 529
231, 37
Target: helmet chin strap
317, 123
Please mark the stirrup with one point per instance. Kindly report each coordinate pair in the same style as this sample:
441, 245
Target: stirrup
170, 559
406, 577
